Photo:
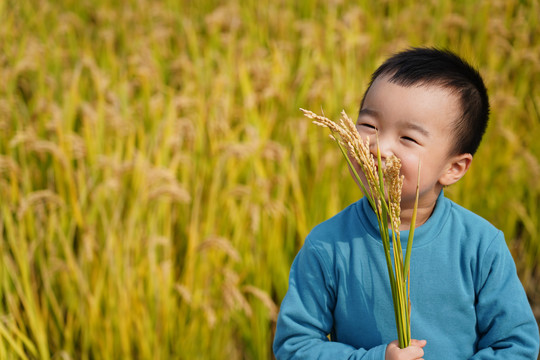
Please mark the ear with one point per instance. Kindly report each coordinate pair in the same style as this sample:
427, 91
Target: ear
457, 167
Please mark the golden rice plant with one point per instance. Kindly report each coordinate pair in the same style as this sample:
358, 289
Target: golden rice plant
156, 185
383, 191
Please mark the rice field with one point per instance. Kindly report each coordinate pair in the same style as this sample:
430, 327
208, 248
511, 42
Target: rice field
157, 177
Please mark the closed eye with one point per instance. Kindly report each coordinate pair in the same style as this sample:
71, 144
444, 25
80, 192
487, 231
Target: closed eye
369, 126
406, 138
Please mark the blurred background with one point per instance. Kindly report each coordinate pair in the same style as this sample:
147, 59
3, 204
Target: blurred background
157, 177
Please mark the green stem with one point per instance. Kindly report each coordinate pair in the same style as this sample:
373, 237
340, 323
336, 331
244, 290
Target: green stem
398, 269
406, 266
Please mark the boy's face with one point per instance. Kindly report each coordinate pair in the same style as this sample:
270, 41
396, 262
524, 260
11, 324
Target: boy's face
415, 124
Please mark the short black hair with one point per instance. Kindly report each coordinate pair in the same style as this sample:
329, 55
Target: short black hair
432, 66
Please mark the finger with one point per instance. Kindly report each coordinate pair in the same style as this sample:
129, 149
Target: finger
419, 343
414, 352
415, 349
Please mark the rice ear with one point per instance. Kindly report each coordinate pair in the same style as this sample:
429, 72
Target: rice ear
388, 211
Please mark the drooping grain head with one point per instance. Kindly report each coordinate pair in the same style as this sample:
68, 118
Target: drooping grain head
345, 133
394, 184
347, 136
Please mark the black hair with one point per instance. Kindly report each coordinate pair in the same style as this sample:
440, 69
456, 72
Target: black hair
431, 66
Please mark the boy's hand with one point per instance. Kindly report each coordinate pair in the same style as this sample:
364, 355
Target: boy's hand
413, 352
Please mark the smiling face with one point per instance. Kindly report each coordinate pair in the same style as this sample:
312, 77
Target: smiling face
415, 124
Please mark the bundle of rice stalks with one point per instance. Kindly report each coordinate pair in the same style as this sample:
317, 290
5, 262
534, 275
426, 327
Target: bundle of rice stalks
382, 186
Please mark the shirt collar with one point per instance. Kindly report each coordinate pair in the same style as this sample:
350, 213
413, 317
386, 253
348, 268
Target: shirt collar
423, 234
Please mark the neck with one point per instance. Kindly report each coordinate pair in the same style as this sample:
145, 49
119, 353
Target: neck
422, 214
426, 205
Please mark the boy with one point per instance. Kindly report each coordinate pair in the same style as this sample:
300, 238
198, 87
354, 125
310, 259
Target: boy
428, 106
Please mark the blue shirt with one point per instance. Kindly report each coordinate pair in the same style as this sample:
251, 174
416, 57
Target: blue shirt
467, 300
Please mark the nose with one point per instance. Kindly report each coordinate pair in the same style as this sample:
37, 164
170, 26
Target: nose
384, 145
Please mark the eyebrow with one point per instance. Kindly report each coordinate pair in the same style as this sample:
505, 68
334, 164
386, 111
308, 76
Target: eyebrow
416, 127
369, 112
406, 124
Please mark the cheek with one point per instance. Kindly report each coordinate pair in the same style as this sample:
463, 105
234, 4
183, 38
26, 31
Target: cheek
409, 166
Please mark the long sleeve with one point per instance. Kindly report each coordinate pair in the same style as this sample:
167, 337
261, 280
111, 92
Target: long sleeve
306, 319
506, 325
467, 300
